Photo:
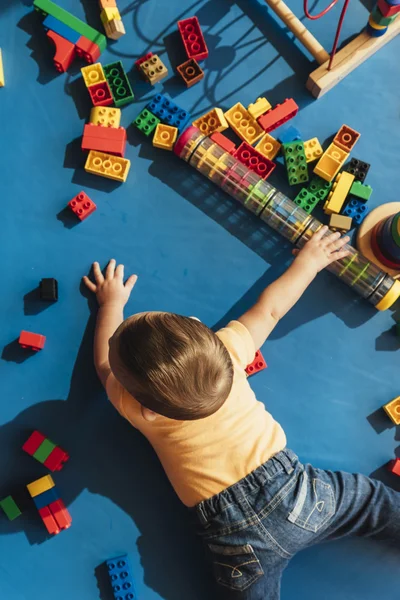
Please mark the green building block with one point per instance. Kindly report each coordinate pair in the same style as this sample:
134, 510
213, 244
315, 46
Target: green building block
119, 85
10, 508
146, 122
361, 191
379, 19
47, 7
319, 187
296, 163
44, 450
306, 200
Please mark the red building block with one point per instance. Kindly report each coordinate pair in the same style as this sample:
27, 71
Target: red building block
100, 94
388, 10
56, 459
89, 51
82, 206
33, 442
277, 116
223, 142
394, 466
141, 60
104, 139
49, 521
60, 514
65, 51
257, 365
192, 38
33, 341
254, 160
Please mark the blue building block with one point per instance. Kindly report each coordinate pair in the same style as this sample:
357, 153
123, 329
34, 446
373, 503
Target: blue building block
168, 112
46, 498
290, 134
120, 573
66, 32
357, 210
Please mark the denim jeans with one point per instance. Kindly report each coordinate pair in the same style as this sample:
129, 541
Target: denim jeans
253, 528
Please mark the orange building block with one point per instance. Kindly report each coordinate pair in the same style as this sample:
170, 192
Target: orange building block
346, 138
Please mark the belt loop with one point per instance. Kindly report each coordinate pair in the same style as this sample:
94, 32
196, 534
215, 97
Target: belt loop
285, 462
201, 514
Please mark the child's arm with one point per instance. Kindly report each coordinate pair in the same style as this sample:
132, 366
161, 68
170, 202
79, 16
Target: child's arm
279, 297
112, 295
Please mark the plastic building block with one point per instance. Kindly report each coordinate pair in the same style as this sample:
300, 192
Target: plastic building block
154, 69
61, 29
40, 485
2, 81
330, 162
223, 142
388, 9
47, 7
65, 51
168, 112
340, 223
93, 74
82, 206
374, 32
279, 115
319, 187
394, 466
381, 19
313, 149
254, 160
339, 193
49, 521
107, 117
392, 409
243, 124
100, 94
109, 13
87, 50
45, 448
114, 29
48, 289
46, 498
190, 71
361, 191
141, 60
290, 134
33, 442
105, 139
146, 122
257, 365
212, 121
357, 210
295, 160
192, 38
120, 574
358, 168
119, 84
346, 138
60, 514
10, 508
306, 200
259, 107
268, 146
56, 459
107, 165
165, 136
33, 341
107, 3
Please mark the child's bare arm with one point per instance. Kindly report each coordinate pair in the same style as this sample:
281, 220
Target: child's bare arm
279, 297
112, 295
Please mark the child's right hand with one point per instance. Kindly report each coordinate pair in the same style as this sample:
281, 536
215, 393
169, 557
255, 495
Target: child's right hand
110, 289
320, 251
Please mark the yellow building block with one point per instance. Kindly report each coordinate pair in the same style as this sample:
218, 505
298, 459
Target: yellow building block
114, 29
390, 297
107, 165
260, 106
2, 82
107, 4
109, 14
40, 485
392, 409
243, 124
312, 149
212, 121
268, 146
330, 162
165, 136
105, 116
93, 74
339, 193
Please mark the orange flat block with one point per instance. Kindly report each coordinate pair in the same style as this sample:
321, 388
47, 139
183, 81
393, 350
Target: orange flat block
60, 514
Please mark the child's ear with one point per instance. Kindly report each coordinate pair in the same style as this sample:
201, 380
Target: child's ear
148, 415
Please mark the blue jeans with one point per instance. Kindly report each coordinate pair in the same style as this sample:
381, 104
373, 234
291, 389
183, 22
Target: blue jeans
253, 528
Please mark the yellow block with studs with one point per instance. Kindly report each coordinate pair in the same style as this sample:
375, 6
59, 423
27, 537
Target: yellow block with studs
268, 146
243, 124
93, 74
109, 14
339, 193
212, 121
392, 409
165, 136
312, 149
40, 485
260, 106
105, 116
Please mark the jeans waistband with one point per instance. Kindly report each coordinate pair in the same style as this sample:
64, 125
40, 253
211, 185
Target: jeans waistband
207, 509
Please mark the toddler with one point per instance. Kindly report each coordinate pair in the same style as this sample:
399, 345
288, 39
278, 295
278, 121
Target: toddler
184, 387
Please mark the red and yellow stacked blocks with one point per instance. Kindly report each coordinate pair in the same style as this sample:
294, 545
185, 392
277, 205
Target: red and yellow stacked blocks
111, 19
52, 510
382, 16
45, 451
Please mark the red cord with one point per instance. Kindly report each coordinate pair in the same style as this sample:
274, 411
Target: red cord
319, 15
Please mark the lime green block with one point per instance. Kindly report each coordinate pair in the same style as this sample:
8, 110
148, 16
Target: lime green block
45, 448
47, 7
10, 508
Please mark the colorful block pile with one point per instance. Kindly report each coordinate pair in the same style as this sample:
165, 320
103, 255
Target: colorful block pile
51, 508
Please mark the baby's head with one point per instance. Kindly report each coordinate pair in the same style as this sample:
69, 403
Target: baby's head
174, 366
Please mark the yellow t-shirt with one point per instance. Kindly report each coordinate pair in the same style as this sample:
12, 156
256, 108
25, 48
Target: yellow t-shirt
201, 458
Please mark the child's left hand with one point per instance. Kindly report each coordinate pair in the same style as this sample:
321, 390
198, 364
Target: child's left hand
110, 289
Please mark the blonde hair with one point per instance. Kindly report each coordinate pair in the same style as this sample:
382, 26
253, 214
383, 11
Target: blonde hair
173, 365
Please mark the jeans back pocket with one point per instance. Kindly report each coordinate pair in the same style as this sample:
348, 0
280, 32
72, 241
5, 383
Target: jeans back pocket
235, 567
315, 504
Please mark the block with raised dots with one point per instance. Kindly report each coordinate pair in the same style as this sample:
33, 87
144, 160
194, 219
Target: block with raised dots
361, 191
146, 122
295, 160
257, 365
339, 193
212, 121
346, 138
280, 114
313, 149
259, 107
168, 112
107, 117
154, 69
165, 136
40, 485
358, 168
330, 162
306, 200
118, 82
191, 72
357, 210
319, 187
120, 574
192, 38
82, 206
93, 74
243, 124
392, 409
268, 146
254, 160
107, 165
